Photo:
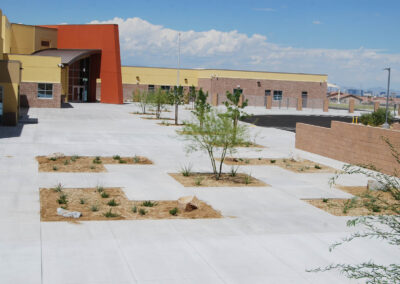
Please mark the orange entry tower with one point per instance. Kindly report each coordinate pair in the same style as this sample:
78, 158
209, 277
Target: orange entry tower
100, 37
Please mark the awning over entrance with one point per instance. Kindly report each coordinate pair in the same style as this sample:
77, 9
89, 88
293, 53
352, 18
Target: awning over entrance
68, 56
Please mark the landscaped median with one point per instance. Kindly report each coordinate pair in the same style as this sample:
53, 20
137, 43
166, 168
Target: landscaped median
74, 164
112, 204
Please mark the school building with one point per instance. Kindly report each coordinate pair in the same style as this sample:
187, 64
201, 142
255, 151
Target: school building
46, 66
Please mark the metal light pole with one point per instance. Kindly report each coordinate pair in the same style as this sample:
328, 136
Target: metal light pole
386, 124
179, 59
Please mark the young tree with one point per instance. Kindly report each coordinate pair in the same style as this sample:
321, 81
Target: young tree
159, 99
176, 98
215, 133
144, 100
384, 227
201, 107
192, 95
235, 108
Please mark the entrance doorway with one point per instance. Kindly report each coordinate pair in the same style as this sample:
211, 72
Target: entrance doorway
78, 94
304, 97
1, 101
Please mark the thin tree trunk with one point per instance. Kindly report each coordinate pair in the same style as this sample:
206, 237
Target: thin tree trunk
222, 161
176, 114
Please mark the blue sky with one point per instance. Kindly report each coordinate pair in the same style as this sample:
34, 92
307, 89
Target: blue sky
351, 41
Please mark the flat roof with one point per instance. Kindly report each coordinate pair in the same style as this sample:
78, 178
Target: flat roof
218, 69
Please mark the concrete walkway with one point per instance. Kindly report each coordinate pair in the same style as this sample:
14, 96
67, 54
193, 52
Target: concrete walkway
268, 235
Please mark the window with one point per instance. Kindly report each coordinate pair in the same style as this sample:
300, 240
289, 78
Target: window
45, 90
277, 95
304, 94
165, 88
151, 88
45, 43
238, 90
267, 92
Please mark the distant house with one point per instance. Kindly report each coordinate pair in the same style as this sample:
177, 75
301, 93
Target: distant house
344, 98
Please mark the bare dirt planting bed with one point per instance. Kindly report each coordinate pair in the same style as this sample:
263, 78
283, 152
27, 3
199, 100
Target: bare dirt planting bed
155, 118
170, 124
141, 113
303, 166
208, 180
93, 206
364, 202
76, 164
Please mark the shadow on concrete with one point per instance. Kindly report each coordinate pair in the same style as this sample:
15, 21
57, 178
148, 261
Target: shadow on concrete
288, 122
15, 131
66, 105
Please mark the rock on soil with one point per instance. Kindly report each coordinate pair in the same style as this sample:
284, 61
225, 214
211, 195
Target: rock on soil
375, 185
68, 214
56, 156
188, 203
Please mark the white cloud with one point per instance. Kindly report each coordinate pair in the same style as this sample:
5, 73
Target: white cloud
316, 22
146, 44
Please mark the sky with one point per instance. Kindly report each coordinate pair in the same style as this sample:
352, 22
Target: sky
350, 41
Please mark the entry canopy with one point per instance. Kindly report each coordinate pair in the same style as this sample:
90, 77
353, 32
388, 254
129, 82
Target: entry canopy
68, 56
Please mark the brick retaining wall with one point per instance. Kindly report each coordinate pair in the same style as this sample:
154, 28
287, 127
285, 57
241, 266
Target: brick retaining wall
350, 143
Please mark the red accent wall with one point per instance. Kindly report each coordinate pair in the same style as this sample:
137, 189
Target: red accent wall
105, 38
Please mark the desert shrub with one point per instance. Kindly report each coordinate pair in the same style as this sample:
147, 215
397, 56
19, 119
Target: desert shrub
158, 99
272, 161
97, 160
104, 194
55, 168
62, 199
110, 214
149, 203
82, 201
198, 181
134, 209
318, 167
186, 170
142, 212
174, 211
94, 208
136, 159
58, 188
201, 107
376, 118
112, 203
116, 157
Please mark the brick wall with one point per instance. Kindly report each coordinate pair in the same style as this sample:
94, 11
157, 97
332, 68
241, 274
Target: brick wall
254, 90
350, 143
28, 95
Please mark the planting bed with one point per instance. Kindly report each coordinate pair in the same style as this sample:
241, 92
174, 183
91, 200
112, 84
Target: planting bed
141, 113
170, 124
85, 200
75, 164
208, 180
155, 118
365, 202
303, 166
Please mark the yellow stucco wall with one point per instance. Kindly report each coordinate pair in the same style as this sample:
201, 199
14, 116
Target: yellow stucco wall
38, 68
22, 39
64, 81
45, 34
6, 34
10, 100
167, 76
158, 76
1, 34
9, 81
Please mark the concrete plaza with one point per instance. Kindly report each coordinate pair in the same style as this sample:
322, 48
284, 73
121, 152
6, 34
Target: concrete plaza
267, 235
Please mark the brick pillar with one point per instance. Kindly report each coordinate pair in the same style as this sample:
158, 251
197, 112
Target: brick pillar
299, 104
376, 106
214, 99
241, 100
351, 106
326, 105
269, 102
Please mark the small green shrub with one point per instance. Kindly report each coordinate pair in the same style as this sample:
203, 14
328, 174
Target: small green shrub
116, 157
233, 171
122, 161
325, 200
149, 203
82, 201
272, 161
99, 189
53, 159
136, 159
66, 162
59, 187
97, 160
247, 179
94, 208
55, 168
109, 214
186, 170
198, 181
247, 161
104, 194
173, 211
63, 199
92, 167
259, 158
74, 158
112, 202
142, 211
318, 167
134, 209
